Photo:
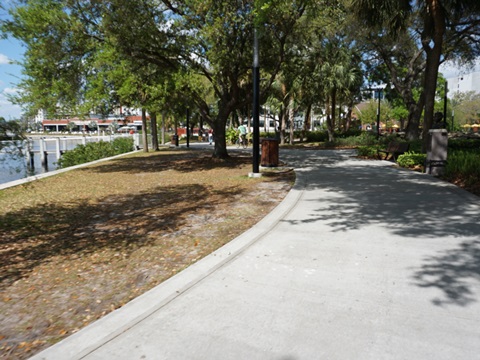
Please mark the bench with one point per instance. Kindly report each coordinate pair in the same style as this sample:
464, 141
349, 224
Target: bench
394, 149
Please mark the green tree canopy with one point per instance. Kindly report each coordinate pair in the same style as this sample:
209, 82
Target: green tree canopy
446, 28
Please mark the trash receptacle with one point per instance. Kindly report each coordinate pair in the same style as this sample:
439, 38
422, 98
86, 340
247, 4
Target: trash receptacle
436, 152
174, 140
269, 156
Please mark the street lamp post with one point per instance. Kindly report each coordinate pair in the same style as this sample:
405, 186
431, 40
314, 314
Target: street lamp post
256, 104
445, 106
379, 92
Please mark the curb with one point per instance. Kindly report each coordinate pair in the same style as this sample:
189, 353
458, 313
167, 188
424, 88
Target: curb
92, 337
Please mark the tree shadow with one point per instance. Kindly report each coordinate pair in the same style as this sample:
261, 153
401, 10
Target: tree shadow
33, 236
452, 271
357, 194
180, 160
403, 202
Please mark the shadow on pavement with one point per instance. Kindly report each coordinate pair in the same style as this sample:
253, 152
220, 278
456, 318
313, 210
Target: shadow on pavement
405, 204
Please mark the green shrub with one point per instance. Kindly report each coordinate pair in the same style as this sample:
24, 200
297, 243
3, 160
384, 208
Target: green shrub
231, 136
366, 139
411, 160
316, 136
350, 133
463, 164
416, 146
263, 134
464, 144
367, 151
95, 151
122, 145
363, 139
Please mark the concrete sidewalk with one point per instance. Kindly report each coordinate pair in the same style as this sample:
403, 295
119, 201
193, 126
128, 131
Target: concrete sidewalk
361, 261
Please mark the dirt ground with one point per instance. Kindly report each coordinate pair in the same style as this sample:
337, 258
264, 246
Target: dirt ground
79, 245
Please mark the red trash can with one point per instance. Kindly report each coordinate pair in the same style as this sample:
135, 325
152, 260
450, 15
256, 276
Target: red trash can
269, 156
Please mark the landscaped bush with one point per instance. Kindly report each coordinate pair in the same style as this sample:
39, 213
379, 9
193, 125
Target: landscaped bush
316, 136
122, 145
367, 151
350, 133
411, 160
464, 144
95, 151
363, 139
366, 139
231, 136
463, 165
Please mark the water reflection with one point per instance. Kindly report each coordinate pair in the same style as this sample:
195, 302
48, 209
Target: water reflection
14, 163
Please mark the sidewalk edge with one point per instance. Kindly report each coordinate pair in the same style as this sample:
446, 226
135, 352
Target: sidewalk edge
93, 336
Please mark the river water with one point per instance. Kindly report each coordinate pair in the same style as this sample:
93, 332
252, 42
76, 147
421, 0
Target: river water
14, 163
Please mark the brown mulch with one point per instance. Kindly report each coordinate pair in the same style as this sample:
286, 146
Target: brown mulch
79, 245
470, 186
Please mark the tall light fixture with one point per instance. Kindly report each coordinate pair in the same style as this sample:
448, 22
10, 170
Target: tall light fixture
445, 106
256, 104
379, 92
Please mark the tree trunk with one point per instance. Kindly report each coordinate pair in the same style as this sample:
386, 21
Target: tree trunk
414, 114
330, 124
153, 125
163, 127
283, 124
175, 126
432, 36
200, 128
219, 137
291, 113
144, 130
348, 117
307, 121
334, 107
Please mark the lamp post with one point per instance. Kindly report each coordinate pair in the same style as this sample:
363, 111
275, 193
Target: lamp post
445, 106
379, 92
376, 92
256, 104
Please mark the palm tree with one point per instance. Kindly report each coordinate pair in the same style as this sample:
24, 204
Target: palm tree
437, 16
339, 76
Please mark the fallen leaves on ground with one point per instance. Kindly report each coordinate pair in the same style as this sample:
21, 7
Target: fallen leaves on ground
81, 244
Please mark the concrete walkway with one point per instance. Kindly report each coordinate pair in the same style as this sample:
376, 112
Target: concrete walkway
361, 261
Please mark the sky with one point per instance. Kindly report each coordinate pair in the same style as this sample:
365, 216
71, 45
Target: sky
10, 51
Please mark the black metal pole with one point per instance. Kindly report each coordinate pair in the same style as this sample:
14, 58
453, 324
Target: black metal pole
445, 106
256, 105
188, 128
378, 112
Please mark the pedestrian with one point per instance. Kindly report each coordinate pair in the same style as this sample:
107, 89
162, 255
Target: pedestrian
210, 136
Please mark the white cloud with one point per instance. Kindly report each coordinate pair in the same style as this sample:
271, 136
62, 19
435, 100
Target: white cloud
10, 91
8, 110
4, 59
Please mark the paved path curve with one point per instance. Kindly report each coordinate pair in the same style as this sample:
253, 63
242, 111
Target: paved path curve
361, 261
